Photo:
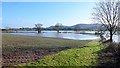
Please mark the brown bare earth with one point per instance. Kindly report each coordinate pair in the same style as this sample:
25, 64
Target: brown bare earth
17, 49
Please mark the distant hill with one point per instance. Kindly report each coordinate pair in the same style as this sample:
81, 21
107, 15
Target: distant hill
81, 26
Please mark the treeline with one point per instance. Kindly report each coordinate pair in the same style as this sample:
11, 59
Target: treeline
35, 29
57, 27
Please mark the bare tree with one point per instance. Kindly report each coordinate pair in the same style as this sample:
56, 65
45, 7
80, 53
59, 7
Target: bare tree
38, 27
106, 13
119, 17
13, 29
58, 27
7, 29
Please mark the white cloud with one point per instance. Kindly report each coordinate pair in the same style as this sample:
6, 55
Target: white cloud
49, 0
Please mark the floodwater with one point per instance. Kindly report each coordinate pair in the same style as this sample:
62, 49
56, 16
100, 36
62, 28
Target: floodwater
63, 35
70, 35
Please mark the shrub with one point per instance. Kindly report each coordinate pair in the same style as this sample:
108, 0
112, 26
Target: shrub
114, 48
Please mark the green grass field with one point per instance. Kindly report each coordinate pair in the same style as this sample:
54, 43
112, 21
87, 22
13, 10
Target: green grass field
17, 49
85, 56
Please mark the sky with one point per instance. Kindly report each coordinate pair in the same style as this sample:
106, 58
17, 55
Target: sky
27, 14
49, 0
0, 14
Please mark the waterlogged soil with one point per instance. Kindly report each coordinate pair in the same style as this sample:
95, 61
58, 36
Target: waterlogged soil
11, 59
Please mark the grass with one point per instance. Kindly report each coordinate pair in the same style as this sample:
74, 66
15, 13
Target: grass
111, 55
80, 56
18, 49
10, 41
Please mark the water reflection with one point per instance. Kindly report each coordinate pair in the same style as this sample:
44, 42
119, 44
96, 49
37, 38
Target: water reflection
63, 35
58, 35
116, 38
70, 35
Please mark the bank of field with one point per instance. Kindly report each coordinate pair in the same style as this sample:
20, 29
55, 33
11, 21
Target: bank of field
85, 56
17, 49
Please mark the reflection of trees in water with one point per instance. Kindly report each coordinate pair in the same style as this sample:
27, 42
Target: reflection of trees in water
58, 35
39, 34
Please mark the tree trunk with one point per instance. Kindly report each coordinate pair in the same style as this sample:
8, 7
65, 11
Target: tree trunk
111, 36
57, 31
39, 31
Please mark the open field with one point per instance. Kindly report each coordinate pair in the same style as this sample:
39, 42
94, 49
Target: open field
17, 49
85, 56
